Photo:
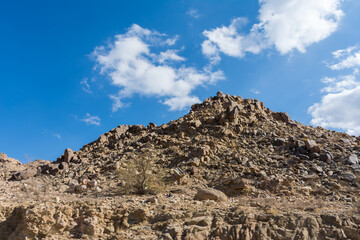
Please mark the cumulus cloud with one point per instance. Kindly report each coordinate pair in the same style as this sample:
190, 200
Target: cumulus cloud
228, 40
348, 58
339, 107
339, 110
135, 65
91, 120
284, 24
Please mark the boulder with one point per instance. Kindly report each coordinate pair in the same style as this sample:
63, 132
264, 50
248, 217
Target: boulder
327, 156
312, 146
194, 162
210, 194
348, 176
281, 116
25, 174
352, 159
68, 155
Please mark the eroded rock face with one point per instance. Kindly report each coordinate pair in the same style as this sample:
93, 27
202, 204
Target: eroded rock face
262, 176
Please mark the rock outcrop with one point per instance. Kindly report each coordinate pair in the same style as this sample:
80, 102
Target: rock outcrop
231, 169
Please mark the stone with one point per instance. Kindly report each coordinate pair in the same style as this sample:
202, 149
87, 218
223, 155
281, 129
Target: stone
5, 159
80, 188
68, 155
318, 169
92, 183
63, 165
25, 174
281, 116
152, 200
200, 221
194, 162
210, 194
151, 125
348, 176
312, 146
325, 157
352, 159
331, 220
279, 142
234, 113
178, 173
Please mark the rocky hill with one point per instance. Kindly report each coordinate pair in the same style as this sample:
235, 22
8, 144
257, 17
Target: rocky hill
230, 169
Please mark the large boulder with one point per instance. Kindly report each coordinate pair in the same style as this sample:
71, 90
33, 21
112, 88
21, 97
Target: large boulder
68, 155
281, 116
210, 194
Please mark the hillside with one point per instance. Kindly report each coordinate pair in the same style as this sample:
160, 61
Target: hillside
230, 169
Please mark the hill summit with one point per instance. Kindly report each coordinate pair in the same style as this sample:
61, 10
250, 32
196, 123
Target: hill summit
230, 169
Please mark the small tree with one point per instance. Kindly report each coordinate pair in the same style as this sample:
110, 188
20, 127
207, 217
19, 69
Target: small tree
141, 176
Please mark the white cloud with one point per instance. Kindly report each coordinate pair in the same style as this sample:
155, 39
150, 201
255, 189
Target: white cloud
85, 85
51, 133
58, 136
228, 41
340, 106
91, 120
134, 67
349, 58
255, 91
193, 13
338, 110
341, 84
168, 56
284, 24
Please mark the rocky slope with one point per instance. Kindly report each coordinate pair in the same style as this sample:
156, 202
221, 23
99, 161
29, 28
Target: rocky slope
233, 168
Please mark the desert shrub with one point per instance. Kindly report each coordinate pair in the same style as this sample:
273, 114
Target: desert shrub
140, 176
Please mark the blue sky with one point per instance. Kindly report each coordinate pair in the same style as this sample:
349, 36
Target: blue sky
72, 70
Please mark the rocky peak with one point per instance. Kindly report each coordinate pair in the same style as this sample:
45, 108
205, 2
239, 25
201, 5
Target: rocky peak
237, 170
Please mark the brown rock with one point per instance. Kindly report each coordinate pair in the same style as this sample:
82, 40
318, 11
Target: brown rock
210, 194
68, 155
312, 146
